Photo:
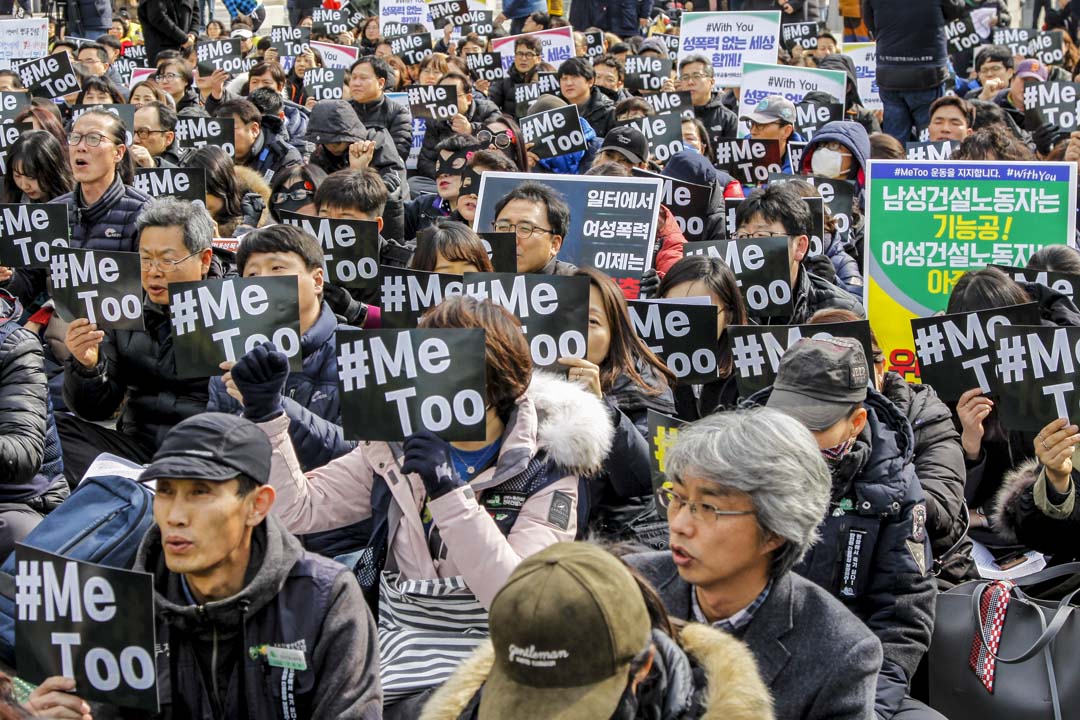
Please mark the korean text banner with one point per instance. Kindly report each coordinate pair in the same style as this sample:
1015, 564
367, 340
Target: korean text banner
759, 81
865, 57
556, 45
929, 223
730, 39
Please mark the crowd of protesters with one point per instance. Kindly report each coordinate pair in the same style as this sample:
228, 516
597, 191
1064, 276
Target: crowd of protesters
272, 525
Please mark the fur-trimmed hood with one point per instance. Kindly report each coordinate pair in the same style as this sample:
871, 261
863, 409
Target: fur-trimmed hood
1007, 515
734, 689
572, 424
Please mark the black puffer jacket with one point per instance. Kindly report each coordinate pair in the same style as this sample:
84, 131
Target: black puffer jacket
599, 111
137, 369
166, 24
501, 92
30, 459
1019, 520
813, 293
481, 112
270, 153
939, 463
909, 60
718, 120
390, 116
108, 224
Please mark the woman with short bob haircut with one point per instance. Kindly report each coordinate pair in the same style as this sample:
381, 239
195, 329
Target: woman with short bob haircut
450, 247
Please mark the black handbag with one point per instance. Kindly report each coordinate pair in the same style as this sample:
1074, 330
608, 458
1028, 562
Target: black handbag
1038, 661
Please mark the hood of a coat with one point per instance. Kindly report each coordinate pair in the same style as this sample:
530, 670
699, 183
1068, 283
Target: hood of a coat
334, 121
273, 554
732, 690
846, 65
688, 165
10, 307
254, 194
572, 425
928, 416
851, 135
1006, 516
628, 396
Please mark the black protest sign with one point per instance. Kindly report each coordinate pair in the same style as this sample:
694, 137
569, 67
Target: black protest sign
1065, 283
688, 203
645, 73
407, 294
594, 43
125, 112
485, 66
50, 76
795, 151
761, 270
1053, 103
747, 160
1035, 378
195, 132
412, 48
329, 23
663, 132
937, 150
125, 66
394, 30
11, 104
350, 248
962, 35
663, 431
446, 9
180, 183
214, 321
88, 622
433, 102
502, 250
553, 310
1016, 39
325, 83
554, 132
956, 352
103, 286
1048, 47
663, 102
290, 41
839, 196
757, 349
481, 22
29, 232
803, 34
222, 54
135, 52
682, 334
393, 383
810, 116
731, 206
525, 95
817, 230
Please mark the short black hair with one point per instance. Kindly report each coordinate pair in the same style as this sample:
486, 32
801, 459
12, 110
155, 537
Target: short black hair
268, 101
281, 239
576, 67
994, 53
102, 53
697, 58
108, 40
378, 66
242, 108
464, 82
263, 67
361, 190
247, 486
457, 143
15, 78
166, 115
529, 41
558, 212
610, 61
776, 203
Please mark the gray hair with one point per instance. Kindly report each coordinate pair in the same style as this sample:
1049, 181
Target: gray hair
698, 58
772, 458
191, 216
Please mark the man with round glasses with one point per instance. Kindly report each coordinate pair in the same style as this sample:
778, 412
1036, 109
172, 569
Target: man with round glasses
155, 136
539, 218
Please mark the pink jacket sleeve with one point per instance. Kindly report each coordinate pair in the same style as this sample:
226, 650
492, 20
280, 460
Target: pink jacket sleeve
329, 497
475, 545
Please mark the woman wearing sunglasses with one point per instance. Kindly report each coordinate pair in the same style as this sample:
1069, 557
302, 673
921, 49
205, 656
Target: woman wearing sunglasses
292, 189
504, 135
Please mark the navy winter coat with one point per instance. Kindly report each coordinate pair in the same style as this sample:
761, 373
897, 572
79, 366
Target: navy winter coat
108, 224
311, 397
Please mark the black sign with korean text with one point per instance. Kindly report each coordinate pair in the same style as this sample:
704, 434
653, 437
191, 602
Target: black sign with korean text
394, 383
350, 248
682, 334
88, 622
761, 269
29, 232
214, 321
103, 286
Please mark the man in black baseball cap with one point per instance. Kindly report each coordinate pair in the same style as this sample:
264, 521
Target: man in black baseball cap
236, 595
625, 146
874, 555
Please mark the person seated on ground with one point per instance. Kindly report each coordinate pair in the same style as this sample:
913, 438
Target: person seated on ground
739, 521
469, 191
547, 623
232, 585
540, 218
236, 196
367, 80
440, 493
696, 76
951, 118
136, 369
425, 208
875, 525
447, 246
474, 111
257, 147
577, 86
155, 137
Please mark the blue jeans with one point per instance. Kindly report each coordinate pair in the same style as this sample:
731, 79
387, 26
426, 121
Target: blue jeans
907, 110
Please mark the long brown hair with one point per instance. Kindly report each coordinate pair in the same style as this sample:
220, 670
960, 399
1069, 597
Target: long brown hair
626, 347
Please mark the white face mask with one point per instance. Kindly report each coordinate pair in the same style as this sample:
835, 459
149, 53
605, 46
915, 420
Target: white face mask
827, 162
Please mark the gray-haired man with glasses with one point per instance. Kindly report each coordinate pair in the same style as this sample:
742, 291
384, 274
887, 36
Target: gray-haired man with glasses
696, 76
137, 368
740, 519
540, 218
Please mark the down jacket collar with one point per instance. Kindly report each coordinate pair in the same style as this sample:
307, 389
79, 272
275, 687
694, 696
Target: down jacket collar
1006, 515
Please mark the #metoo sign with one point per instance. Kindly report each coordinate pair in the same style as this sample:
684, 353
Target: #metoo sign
29, 232
394, 383
103, 286
88, 622
350, 248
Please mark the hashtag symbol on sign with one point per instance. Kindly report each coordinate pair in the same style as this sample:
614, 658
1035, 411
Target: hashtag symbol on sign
1011, 358
352, 366
723, 153
28, 589
748, 356
393, 293
184, 312
59, 268
665, 438
930, 345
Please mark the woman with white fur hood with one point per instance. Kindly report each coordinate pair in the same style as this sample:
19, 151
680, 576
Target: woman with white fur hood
449, 522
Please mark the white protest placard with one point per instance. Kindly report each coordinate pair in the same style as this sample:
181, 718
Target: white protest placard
865, 57
730, 39
336, 56
25, 38
760, 81
404, 12
556, 45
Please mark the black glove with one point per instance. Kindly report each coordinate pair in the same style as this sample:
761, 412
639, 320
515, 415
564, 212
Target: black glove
260, 377
650, 280
1046, 137
343, 304
428, 455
